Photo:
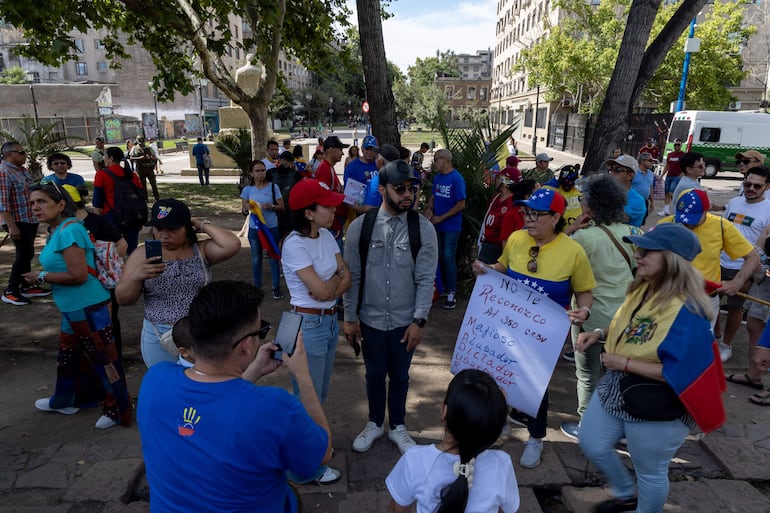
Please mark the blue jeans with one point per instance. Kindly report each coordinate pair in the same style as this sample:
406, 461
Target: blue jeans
447, 258
319, 334
256, 259
385, 355
152, 351
651, 445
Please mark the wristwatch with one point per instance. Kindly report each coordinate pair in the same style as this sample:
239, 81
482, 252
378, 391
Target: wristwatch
41, 277
420, 322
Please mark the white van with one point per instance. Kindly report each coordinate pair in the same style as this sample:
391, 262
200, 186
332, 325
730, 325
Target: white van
719, 136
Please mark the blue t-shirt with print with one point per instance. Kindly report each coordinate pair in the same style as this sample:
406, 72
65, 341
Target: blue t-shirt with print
366, 173
448, 189
72, 179
224, 446
263, 195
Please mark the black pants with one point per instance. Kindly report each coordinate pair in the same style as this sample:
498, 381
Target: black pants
25, 250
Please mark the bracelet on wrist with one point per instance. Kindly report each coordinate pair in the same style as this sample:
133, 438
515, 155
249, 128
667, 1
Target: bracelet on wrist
602, 334
625, 367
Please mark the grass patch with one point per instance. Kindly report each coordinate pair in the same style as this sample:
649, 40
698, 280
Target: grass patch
415, 138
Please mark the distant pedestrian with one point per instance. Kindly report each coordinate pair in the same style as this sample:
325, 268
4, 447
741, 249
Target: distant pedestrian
200, 151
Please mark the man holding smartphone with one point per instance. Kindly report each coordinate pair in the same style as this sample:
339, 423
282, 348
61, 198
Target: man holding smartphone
205, 437
387, 305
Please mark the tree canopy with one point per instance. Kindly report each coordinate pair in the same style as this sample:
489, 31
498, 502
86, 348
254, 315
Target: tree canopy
13, 75
577, 58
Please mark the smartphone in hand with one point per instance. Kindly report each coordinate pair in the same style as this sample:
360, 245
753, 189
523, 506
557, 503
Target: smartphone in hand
152, 249
286, 336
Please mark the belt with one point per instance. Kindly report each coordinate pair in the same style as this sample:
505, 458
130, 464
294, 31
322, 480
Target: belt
315, 311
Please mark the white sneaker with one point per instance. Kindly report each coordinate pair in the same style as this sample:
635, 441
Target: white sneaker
530, 458
105, 422
45, 405
366, 438
330, 475
400, 436
664, 213
725, 352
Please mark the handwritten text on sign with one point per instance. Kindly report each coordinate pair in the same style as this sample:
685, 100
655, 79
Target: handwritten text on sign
514, 334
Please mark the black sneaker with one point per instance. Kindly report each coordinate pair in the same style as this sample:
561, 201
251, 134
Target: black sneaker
518, 418
451, 302
15, 298
569, 356
616, 505
277, 294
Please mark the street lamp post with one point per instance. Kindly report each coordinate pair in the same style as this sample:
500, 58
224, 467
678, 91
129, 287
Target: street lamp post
331, 112
31, 80
534, 122
308, 97
155, 102
202, 82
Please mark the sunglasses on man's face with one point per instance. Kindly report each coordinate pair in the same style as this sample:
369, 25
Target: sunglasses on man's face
617, 170
261, 333
745, 162
402, 189
752, 185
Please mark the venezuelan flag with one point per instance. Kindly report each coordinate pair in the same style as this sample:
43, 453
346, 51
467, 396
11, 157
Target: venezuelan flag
691, 365
266, 239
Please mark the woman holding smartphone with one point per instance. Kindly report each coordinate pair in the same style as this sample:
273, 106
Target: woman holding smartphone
171, 281
316, 276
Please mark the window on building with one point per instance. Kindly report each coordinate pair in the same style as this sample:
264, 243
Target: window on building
471, 93
53, 75
81, 68
79, 45
483, 93
448, 92
541, 116
98, 44
102, 67
528, 117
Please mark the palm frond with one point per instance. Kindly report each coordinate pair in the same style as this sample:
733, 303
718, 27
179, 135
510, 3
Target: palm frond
40, 141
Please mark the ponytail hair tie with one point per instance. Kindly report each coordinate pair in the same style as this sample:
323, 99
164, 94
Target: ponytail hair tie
465, 470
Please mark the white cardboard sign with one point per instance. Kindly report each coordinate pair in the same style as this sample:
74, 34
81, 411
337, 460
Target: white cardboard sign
513, 333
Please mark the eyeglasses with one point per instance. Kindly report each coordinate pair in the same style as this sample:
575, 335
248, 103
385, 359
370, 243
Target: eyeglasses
745, 162
617, 170
534, 215
752, 185
532, 264
261, 333
402, 189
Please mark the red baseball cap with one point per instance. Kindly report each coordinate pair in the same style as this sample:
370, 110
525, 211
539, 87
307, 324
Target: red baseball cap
510, 174
312, 192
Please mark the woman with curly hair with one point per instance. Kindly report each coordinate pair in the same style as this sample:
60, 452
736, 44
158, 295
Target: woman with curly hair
600, 230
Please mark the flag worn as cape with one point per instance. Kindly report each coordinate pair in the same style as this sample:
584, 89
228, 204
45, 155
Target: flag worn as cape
266, 239
693, 368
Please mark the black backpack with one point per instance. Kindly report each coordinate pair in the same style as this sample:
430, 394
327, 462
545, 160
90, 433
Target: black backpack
130, 205
370, 217
284, 180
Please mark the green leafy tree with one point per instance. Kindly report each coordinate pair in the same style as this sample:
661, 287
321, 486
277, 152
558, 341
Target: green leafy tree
424, 70
713, 69
14, 75
39, 142
186, 39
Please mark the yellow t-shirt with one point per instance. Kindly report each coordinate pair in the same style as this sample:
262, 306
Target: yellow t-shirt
562, 266
715, 235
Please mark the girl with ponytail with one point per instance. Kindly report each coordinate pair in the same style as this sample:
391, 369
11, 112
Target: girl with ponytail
461, 473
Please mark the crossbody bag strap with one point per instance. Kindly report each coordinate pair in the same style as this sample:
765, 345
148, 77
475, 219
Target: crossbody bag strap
617, 245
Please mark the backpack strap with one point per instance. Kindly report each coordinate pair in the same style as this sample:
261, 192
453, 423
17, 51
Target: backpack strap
370, 218
618, 246
415, 239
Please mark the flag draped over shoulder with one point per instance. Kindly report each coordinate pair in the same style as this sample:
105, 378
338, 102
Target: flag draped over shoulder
691, 365
266, 239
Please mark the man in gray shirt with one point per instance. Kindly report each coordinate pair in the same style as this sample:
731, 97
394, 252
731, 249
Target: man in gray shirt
396, 297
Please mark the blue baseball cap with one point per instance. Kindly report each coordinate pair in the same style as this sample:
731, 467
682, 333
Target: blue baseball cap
545, 199
370, 141
668, 237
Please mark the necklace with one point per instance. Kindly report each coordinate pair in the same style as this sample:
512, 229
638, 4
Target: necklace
201, 373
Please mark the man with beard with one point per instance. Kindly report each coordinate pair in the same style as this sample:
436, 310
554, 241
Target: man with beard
387, 305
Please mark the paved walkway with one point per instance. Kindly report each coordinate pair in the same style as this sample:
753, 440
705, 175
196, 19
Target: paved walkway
75, 468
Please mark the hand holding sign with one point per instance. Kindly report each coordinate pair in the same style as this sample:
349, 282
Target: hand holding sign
514, 334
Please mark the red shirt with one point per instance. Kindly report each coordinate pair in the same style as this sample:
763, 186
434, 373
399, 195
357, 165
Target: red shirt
106, 183
654, 151
493, 222
513, 220
326, 174
672, 163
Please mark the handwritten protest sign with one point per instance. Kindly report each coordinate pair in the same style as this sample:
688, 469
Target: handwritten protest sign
354, 192
514, 334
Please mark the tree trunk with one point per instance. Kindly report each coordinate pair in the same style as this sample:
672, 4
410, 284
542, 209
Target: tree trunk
612, 121
379, 92
624, 91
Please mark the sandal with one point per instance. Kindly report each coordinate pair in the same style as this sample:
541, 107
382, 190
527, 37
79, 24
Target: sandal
746, 381
760, 399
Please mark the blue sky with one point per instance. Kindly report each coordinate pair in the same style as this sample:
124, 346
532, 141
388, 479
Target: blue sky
420, 27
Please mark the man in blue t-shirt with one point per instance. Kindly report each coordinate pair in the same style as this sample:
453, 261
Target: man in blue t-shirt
445, 211
199, 151
363, 170
623, 169
212, 440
